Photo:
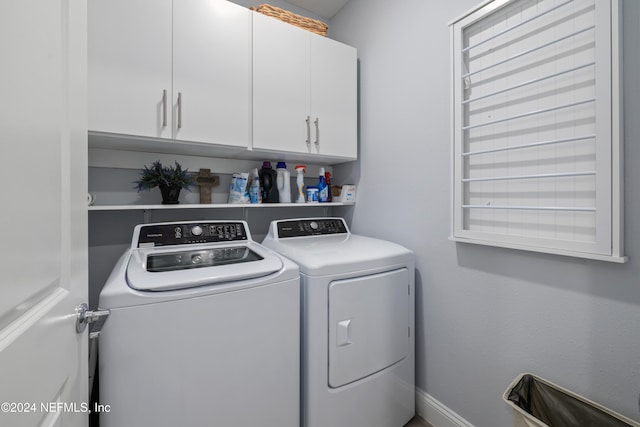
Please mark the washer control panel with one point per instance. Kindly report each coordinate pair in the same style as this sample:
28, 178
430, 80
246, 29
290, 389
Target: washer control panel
311, 227
189, 233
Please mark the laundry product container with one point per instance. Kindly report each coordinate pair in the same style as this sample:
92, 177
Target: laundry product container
540, 403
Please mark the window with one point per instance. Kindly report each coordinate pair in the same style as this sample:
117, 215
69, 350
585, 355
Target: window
536, 127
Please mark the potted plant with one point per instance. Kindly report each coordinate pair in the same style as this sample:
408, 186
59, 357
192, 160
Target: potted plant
169, 179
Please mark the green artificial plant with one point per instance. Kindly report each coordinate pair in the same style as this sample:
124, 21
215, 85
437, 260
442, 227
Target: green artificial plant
161, 176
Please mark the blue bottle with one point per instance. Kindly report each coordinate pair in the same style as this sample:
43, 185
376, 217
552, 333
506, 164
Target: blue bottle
323, 188
255, 191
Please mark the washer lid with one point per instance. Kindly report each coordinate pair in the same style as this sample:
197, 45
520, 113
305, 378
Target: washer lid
169, 269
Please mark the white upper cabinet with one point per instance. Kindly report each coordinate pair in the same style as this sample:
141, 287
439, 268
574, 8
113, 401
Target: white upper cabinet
304, 91
212, 71
281, 93
334, 97
129, 66
210, 77
181, 70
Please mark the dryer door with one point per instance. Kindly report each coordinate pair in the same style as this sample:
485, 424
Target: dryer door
368, 325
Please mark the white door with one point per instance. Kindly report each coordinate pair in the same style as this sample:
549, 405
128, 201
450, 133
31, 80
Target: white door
43, 361
130, 67
368, 325
212, 71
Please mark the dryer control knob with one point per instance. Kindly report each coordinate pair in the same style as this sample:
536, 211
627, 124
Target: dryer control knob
196, 231
313, 225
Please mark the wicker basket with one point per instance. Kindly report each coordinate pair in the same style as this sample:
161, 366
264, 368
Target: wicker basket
309, 24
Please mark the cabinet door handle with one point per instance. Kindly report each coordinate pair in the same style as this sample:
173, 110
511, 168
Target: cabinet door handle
164, 108
308, 130
317, 123
179, 110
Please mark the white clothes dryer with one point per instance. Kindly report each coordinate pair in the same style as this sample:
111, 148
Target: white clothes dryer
203, 330
358, 340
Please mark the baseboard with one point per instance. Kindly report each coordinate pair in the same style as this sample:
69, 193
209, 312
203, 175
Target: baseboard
437, 414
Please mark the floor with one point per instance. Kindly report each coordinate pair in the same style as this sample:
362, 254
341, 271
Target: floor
418, 422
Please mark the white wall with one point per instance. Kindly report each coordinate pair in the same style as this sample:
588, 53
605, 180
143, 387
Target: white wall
484, 314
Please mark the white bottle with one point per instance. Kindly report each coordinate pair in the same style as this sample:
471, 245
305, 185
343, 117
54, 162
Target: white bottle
301, 169
283, 182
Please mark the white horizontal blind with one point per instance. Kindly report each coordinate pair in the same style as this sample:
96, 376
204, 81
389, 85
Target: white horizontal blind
536, 155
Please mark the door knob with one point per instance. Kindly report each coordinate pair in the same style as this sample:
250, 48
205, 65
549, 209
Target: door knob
85, 317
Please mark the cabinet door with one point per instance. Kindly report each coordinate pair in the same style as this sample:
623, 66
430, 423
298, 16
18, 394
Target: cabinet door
129, 66
281, 68
212, 72
334, 98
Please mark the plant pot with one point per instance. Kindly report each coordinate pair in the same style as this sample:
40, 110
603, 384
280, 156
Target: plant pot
170, 195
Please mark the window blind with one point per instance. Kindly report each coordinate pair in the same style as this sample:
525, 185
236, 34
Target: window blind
536, 127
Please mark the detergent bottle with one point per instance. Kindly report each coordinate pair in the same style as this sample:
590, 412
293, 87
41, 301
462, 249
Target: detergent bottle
283, 181
327, 177
323, 189
268, 182
255, 192
301, 169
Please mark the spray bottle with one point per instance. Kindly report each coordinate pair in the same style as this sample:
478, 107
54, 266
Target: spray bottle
301, 169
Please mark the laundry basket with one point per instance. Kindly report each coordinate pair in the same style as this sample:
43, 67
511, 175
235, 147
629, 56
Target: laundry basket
309, 24
540, 403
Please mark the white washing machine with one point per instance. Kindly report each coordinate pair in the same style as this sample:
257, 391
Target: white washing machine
358, 341
203, 330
